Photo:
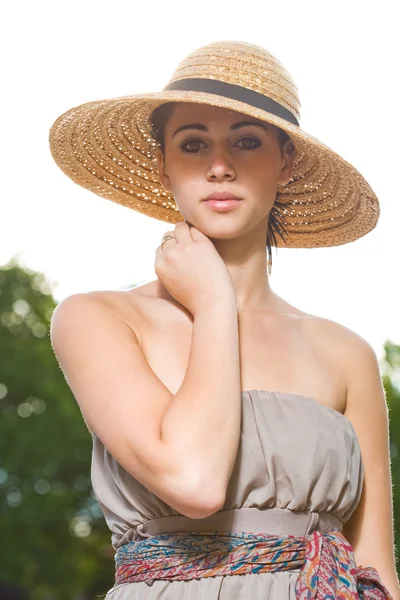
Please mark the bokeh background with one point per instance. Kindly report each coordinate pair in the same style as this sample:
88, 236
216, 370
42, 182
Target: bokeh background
58, 238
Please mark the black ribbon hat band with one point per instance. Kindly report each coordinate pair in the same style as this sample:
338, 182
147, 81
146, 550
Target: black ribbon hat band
235, 92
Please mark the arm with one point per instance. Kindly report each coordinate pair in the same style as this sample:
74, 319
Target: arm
124, 402
202, 423
370, 528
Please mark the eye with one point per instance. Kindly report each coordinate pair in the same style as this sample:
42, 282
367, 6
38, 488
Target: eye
192, 146
252, 140
184, 146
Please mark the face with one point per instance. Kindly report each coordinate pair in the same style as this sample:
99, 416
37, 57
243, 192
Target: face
211, 149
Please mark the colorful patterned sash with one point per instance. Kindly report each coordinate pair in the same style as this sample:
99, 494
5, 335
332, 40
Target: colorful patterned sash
326, 561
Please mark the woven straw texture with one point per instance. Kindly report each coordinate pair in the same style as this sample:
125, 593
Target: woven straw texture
106, 146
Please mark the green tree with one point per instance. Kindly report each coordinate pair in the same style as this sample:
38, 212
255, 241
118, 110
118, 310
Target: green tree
390, 370
56, 541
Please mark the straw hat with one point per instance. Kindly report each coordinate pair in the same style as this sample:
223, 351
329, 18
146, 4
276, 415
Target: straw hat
106, 146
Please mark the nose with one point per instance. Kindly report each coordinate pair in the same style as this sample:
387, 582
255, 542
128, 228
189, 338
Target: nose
220, 168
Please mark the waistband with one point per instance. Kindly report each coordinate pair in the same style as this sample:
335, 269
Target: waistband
321, 554
272, 521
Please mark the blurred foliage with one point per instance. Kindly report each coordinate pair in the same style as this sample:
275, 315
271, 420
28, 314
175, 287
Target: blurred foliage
55, 543
54, 539
390, 371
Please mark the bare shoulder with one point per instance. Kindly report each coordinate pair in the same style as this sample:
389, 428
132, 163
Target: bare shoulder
135, 296
329, 327
352, 352
124, 304
330, 333
141, 305
347, 342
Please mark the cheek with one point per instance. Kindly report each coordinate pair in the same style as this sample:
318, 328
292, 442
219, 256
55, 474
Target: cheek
261, 181
185, 174
261, 174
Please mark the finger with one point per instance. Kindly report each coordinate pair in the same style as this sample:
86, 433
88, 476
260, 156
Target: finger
182, 233
160, 248
198, 235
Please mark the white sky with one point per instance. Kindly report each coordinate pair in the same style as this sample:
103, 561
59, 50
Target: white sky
344, 59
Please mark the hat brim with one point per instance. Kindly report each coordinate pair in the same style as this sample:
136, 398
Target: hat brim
106, 147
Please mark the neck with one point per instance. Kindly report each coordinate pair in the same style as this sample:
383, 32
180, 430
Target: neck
245, 258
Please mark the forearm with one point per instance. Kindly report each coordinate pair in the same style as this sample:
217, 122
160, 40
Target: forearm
202, 423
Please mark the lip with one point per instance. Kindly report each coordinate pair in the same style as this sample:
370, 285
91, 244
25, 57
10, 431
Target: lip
223, 205
222, 196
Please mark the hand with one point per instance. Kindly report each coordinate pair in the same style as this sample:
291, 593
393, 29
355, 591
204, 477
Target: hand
192, 271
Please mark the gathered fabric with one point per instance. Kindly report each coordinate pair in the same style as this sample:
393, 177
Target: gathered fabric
326, 564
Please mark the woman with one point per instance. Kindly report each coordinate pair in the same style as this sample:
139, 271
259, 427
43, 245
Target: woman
240, 445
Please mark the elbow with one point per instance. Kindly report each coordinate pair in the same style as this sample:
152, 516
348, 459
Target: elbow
200, 505
201, 511
192, 494
185, 493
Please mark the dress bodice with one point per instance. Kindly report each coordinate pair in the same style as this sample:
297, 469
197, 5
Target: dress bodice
294, 453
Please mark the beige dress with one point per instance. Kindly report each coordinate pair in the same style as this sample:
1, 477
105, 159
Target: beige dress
294, 455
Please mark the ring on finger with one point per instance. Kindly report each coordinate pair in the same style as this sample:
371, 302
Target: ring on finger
165, 239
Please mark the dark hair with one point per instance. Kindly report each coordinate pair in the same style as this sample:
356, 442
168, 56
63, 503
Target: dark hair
159, 118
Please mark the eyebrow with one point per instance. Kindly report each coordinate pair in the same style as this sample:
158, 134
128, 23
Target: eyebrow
202, 127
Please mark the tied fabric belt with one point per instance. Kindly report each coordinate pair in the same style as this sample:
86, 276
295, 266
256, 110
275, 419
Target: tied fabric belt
325, 561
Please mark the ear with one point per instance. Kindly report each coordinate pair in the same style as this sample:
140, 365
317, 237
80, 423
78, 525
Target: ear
164, 179
287, 163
